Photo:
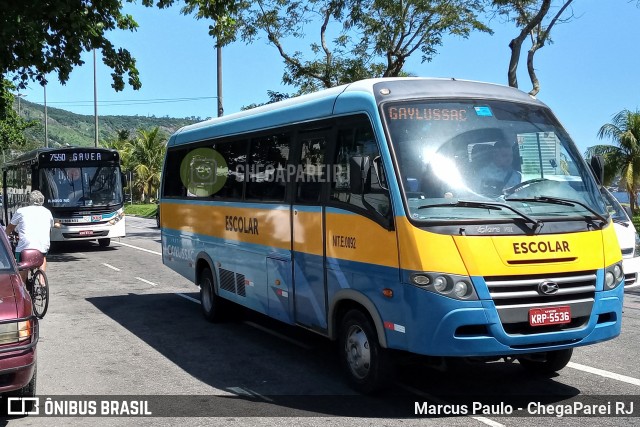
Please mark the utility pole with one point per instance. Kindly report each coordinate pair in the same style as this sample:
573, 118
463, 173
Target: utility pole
95, 98
219, 73
46, 121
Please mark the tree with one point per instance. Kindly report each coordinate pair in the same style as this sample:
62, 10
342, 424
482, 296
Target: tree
145, 155
529, 16
371, 38
623, 159
273, 97
38, 37
12, 125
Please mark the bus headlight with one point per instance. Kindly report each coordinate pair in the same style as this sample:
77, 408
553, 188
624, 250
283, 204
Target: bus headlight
441, 284
613, 276
462, 289
449, 285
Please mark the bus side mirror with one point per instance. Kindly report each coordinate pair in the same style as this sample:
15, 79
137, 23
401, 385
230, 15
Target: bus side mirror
123, 178
627, 209
597, 167
360, 174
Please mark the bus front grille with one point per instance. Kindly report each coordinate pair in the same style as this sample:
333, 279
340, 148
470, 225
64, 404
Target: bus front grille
514, 296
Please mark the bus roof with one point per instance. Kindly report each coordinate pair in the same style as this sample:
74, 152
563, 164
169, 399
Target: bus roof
322, 104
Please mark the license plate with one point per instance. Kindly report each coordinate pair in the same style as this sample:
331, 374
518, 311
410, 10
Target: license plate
549, 316
86, 233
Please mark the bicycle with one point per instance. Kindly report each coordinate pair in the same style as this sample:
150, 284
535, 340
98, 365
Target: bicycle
36, 283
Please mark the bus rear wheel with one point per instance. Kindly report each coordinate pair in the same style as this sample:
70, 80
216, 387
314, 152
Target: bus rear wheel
367, 365
546, 363
212, 305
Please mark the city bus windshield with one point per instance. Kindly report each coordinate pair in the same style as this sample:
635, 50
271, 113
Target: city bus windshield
72, 187
457, 158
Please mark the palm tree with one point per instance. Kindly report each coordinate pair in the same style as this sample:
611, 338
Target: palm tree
623, 159
145, 156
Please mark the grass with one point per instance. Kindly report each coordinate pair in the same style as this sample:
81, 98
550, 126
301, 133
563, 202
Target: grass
147, 210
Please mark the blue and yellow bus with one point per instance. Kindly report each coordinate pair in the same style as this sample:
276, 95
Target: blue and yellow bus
383, 214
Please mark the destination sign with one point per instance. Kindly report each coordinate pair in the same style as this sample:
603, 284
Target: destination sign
427, 114
78, 156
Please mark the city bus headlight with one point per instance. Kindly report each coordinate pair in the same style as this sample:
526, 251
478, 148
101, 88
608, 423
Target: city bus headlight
613, 276
449, 285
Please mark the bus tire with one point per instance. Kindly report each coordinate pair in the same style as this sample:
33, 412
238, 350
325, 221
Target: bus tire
546, 363
212, 305
104, 242
367, 365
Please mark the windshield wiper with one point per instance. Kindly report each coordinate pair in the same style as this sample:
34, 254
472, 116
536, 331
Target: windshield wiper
560, 201
487, 205
620, 221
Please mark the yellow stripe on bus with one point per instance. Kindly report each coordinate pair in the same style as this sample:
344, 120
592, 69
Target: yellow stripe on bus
359, 239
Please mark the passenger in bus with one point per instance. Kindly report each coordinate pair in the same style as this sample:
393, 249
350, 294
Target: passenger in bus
499, 173
33, 224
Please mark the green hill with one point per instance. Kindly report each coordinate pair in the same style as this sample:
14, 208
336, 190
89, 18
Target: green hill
69, 128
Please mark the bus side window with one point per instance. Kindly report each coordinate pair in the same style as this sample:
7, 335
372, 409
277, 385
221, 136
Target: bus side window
311, 171
173, 184
266, 167
359, 140
235, 155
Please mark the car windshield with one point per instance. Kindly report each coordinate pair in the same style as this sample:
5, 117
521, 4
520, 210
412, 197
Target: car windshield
97, 186
488, 160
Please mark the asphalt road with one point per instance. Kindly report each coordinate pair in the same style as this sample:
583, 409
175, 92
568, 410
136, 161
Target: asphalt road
122, 325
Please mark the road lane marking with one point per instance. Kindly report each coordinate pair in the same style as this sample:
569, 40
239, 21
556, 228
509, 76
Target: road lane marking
239, 391
146, 281
139, 248
187, 297
439, 401
110, 266
604, 373
262, 328
279, 335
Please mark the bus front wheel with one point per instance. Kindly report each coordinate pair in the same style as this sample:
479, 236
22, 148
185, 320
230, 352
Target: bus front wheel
104, 242
546, 363
212, 304
367, 365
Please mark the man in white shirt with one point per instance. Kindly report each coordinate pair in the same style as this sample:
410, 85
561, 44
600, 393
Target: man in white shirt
33, 224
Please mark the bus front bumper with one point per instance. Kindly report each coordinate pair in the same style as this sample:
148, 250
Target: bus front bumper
474, 328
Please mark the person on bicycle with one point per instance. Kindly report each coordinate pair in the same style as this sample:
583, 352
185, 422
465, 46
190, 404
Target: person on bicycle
33, 224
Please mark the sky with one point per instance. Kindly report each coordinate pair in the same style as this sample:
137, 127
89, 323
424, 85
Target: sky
589, 73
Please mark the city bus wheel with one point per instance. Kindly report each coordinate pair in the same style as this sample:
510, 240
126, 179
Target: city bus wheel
104, 242
367, 365
546, 363
212, 305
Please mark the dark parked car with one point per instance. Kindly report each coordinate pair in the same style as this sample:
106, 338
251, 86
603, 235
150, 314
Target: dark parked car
18, 327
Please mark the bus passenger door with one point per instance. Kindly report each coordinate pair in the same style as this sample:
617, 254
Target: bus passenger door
307, 219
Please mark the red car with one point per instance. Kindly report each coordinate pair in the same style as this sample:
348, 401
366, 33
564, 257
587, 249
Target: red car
18, 327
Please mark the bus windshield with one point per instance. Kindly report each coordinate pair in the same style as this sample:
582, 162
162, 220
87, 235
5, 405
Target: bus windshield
70, 187
488, 160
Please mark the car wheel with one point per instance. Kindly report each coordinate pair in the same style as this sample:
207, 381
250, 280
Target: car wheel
367, 365
212, 305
